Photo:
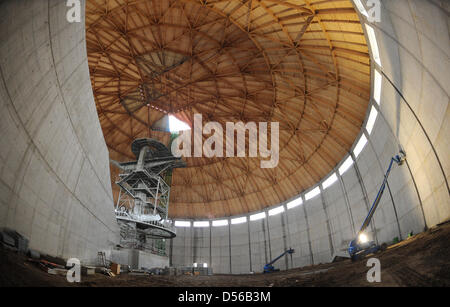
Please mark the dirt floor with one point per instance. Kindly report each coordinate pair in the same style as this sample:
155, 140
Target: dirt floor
422, 260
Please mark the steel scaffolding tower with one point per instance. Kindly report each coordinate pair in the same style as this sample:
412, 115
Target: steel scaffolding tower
143, 202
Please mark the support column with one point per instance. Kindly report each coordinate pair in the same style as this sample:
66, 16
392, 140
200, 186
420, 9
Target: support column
210, 240
194, 253
171, 253
286, 218
347, 202
324, 205
268, 235
307, 233
286, 259
265, 242
249, 246
229, 244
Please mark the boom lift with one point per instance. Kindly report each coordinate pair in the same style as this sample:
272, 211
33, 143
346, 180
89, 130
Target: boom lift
269, 268
361, 245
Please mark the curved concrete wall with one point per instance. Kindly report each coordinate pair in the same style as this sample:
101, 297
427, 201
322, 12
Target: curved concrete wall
54, 174
414, 46
55, 184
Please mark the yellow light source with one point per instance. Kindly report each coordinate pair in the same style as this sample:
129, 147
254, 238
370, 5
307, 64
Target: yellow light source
363, 238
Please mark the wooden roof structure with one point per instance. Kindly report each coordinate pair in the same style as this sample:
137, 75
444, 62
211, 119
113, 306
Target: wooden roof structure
302, 63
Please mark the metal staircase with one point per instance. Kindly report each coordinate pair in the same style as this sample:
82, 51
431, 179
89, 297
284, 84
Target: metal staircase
143, 202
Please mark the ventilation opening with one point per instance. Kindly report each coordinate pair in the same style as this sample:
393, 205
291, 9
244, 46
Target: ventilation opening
176, 125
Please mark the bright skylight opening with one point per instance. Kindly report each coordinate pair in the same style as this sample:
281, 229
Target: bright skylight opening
239, 220
182, 224
377, 83
371, 121
361, 7
360, 145
201, 224
294, 203
346, 165
329, 181
373, 44
176, 125
276, 210
219, 223
257, 216
313, 193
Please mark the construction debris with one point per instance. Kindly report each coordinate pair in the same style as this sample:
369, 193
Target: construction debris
115, 268
138, 272
13, 240
87, 270
421, 261
57, 271
49, 267
195, 271
170, 271
7, 241
102, 259
104, 271
34, 254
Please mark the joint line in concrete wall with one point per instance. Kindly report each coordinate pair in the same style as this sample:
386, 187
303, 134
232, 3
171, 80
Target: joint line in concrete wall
347, 202
288, 233
324, 205
36, 149
171, 253
229, 244
284, 238
387, 182
395, 210
194, 247
409, 106
210, 241
421, 126
308, 234
265, 243
418, 195
249, 247
67, 111
268, 236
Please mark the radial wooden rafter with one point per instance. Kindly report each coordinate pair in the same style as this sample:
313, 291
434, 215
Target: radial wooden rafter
304, 64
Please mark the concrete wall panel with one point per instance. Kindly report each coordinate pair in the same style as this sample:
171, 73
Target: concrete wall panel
53, 160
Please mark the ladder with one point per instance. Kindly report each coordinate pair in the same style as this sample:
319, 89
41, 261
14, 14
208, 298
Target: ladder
102, 259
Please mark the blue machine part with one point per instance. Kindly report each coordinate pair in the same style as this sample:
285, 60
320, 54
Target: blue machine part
358, 249
269, 268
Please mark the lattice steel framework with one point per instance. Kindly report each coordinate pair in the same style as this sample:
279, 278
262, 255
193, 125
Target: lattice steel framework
143, 201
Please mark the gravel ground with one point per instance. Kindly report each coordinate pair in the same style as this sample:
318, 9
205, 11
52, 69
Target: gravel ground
422, 260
